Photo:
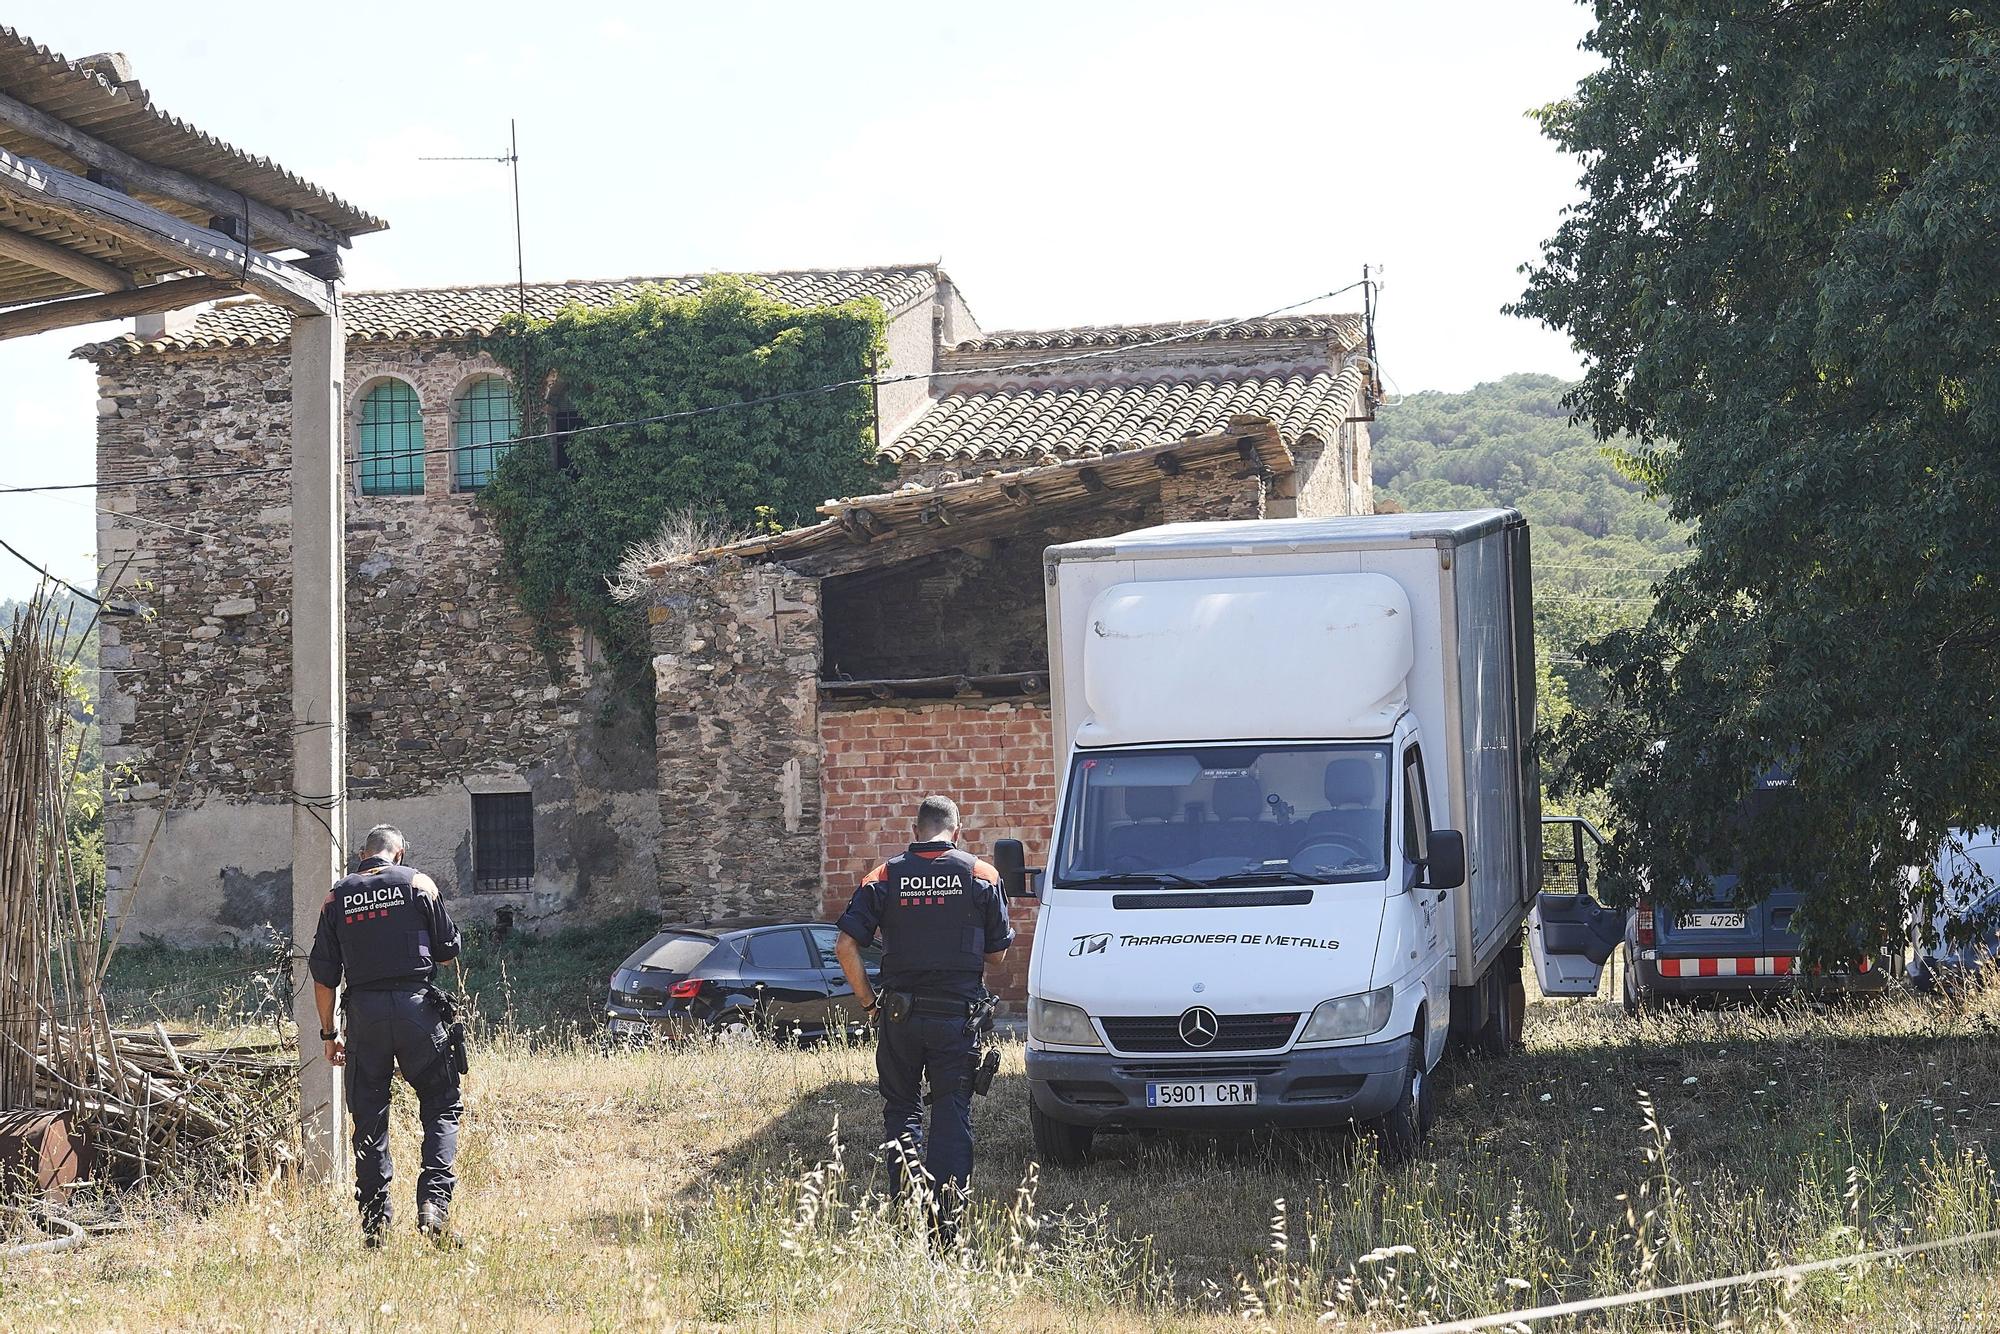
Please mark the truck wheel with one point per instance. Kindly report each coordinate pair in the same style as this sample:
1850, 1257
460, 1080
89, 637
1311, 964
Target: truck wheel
1500, 1035
1636, 1002
1398, 1131
1058, 1143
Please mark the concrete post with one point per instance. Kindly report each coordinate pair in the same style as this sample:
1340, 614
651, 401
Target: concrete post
319, 707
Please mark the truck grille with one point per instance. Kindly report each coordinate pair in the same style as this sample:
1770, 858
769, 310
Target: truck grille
1184, 1068
1234, 1032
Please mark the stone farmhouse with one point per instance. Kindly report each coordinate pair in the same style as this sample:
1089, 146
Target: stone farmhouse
808, 685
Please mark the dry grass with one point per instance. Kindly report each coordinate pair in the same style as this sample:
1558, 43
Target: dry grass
705, 1188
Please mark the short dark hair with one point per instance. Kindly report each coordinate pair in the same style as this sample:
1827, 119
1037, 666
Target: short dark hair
382, 838
936, 815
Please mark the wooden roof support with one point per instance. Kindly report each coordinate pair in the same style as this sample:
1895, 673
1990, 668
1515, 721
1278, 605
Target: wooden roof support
116, 305
64, 263
286, 229
97, 209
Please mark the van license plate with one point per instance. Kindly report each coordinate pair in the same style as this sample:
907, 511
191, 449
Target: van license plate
1227, 1093
1712, 921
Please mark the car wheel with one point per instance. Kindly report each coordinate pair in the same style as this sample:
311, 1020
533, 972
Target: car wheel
733, 1030
1400, 1130
1628, 991
1058, 1143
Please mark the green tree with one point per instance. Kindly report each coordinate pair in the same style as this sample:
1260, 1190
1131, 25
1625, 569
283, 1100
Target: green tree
1784, 265
569, 509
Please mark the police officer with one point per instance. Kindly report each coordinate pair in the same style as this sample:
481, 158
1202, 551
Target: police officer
942, 918
384, 931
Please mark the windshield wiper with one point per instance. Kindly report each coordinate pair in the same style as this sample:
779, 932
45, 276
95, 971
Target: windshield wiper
1131, 878
1256, 875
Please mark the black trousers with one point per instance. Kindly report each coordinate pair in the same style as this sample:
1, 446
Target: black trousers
387, 1031
908, 1055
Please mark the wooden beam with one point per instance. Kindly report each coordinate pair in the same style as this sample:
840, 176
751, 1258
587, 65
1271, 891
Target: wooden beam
52, 258
97, 209
116, 305
285, 228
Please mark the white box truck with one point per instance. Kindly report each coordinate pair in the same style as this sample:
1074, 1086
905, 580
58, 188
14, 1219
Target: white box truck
1297, 833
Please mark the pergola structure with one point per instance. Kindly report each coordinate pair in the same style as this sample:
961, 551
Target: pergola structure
110, 207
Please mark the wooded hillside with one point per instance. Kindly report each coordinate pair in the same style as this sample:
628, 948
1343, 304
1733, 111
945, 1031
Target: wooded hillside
1599, 541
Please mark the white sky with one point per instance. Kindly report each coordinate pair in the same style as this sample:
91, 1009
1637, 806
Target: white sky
1081, 161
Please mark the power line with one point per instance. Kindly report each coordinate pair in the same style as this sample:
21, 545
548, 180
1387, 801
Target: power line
863, 382
52, 578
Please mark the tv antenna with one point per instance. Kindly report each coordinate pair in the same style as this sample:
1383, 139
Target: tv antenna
511, 160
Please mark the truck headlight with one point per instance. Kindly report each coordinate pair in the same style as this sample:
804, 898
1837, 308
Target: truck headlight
1063, 1025
1349, 1016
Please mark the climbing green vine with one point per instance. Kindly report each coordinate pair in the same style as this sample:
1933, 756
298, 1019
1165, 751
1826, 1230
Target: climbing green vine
569, 510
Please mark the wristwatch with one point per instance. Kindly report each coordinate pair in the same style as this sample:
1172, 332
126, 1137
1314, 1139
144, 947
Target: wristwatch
325, 1036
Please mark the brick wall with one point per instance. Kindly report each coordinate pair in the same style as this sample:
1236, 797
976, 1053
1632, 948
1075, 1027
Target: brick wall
993, 759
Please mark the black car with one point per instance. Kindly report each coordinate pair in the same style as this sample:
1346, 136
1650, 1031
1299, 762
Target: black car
734, 977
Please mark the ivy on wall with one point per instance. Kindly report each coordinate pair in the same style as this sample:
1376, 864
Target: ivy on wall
568, 510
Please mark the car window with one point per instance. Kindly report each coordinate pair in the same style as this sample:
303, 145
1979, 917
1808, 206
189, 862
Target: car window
1416, 808
827, 937
781, 949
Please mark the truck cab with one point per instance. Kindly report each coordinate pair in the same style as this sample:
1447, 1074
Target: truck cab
1297, 833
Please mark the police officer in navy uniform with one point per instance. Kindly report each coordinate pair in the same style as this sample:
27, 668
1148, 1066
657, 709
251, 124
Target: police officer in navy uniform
384, 931
942, 918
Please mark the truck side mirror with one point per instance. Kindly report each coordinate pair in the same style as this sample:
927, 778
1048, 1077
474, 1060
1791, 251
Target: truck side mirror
1445, 867
1012, 863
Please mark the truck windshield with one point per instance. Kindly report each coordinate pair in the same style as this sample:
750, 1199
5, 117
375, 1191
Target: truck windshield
1289, 813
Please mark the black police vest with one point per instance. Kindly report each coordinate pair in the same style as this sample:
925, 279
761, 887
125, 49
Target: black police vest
384, 932
932, 917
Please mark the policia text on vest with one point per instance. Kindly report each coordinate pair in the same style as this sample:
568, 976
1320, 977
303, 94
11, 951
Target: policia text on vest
941, 917
383, 932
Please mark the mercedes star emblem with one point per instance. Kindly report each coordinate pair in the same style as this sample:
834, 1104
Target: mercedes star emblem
1198, 1026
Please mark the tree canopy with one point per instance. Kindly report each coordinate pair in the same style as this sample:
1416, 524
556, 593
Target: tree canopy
1782, 278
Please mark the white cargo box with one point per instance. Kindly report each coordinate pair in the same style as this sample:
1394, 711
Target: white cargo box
1292, 629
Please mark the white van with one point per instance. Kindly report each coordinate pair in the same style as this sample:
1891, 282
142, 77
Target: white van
1297, 835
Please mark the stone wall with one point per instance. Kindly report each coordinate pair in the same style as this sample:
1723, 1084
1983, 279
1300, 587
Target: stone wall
447, 693
994, 758
736, 670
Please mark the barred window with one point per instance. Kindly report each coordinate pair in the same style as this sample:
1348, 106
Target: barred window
484, 422
392, 441
503, 841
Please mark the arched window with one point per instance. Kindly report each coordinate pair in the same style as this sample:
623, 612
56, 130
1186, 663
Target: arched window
484, 421
392, 441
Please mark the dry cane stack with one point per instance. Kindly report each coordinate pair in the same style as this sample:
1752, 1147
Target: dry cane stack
142, 1104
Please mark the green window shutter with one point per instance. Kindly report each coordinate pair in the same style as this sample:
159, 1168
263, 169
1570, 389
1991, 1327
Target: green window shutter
392, 441
484, 422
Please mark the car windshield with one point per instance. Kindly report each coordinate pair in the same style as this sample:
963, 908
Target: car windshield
1238, 815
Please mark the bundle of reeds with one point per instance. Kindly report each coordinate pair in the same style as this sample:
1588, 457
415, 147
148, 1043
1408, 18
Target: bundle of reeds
143, 1103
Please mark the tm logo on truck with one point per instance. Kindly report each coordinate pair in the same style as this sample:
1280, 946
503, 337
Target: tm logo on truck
1096, 943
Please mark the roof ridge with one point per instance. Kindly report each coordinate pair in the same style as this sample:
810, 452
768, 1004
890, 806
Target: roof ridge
629, 278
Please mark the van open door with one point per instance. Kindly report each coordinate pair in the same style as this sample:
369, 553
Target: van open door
1570, 934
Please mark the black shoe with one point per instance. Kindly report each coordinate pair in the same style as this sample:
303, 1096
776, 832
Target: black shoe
433, 1220
375, 1231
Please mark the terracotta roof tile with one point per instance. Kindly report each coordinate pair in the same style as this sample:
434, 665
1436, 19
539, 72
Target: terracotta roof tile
1344, 329
86, 94
1027, 424
422, 314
